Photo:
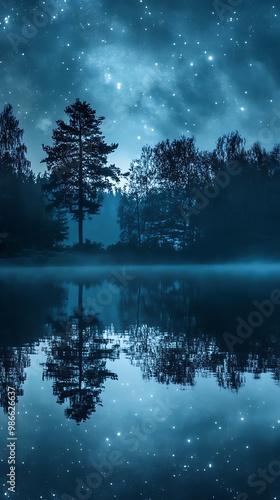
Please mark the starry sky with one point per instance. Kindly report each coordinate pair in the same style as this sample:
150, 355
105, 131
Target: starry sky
155, 69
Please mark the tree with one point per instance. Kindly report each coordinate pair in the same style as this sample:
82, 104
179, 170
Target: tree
24, 222
77, 164
141, 182
161, 186
230, 147
57, 217
77, 363
12, 149
182, 169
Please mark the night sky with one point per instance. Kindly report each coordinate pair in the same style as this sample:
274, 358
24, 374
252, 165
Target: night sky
155, 69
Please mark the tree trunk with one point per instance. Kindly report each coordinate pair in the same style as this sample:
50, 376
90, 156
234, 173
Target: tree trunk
80, 323
80, 222
138, 220
81, 238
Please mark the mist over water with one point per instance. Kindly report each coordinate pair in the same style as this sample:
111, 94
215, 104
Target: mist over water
84, 269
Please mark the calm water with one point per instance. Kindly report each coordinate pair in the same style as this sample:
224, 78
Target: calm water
127, 385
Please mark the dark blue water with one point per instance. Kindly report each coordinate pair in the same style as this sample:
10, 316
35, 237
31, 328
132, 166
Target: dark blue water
147, 383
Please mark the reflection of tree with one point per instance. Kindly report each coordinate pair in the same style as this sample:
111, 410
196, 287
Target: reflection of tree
166, 302
276, 374
159, 356
13, 361
34, 302
77, 363
179, 359
229, 375
174, 331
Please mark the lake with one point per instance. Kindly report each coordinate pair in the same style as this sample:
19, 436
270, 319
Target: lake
140, 383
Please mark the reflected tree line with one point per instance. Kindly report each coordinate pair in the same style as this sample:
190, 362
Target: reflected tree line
171, 330
13, 361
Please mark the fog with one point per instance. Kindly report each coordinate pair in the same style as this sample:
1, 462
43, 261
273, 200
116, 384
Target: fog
85, 271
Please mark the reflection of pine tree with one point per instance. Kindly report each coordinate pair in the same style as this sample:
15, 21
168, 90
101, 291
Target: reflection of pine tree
13, 361
78, 364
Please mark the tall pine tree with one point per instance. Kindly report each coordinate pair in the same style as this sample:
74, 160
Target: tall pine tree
77, 164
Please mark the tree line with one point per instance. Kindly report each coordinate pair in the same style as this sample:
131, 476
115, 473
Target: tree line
177, 199
25, 222
223, 203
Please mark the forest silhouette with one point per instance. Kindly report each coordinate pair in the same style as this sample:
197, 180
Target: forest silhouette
177, 203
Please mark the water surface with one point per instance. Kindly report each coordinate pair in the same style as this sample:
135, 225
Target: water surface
127, 386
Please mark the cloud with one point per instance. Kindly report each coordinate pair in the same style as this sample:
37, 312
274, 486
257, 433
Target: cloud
44, 124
